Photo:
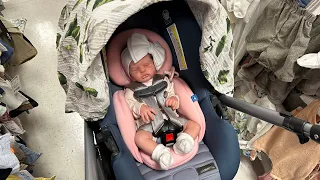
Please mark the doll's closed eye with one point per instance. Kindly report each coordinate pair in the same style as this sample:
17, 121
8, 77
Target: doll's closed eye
147, 64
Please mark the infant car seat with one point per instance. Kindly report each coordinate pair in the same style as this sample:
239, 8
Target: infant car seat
187, 108
218, 155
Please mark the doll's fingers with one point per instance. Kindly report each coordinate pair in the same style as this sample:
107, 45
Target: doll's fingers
173, 102
147, 116
175, 105
167, 102
150, 116
142, 117
153, 111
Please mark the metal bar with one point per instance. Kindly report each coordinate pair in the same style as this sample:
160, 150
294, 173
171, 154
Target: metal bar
264, 114
90, 155
273, 117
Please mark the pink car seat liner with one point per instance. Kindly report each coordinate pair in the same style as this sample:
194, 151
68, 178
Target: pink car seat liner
125, 120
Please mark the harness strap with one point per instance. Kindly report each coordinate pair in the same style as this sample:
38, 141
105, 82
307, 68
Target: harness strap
154, 96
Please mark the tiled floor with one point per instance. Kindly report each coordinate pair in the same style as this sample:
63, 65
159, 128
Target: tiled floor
49, 130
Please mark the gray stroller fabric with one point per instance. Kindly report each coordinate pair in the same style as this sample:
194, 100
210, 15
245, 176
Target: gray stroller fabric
202, 167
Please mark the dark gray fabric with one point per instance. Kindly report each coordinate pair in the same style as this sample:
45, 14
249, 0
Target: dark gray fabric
280, 36
185, 171
283, 33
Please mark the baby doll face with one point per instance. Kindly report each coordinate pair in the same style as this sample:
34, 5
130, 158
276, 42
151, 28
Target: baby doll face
144, 70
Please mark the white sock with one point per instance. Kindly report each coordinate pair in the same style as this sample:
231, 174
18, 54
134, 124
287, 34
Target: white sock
184, 144
162, 156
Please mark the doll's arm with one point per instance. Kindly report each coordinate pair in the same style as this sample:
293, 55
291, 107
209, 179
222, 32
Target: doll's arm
170, 90
134, 105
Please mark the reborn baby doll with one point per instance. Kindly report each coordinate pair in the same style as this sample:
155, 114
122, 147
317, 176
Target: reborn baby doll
141, 60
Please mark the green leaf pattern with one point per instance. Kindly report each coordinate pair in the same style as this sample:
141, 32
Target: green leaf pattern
98, 3
90, 91
221, 45
88, 1
210, 46
81, 53
74, 29
72, 26
222, 76
85, 30
228, 25
63, 12
76, 34
77, 3
79, 86
62, 78
58, 40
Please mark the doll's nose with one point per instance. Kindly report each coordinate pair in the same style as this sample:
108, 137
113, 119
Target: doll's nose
142, 69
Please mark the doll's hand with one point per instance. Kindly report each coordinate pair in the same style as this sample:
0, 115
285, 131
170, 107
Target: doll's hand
172, 102
147, 113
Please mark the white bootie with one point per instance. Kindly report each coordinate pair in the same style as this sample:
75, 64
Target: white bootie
184, 144
162, 156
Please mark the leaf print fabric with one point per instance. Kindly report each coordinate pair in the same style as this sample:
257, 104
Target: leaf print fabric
91, 91
222, 76
78, 2
88, 1
62, 78
81, 54
98, 3
221, 45
74, 30
72, 26
228, 25
58, 39
84, 28
210, 47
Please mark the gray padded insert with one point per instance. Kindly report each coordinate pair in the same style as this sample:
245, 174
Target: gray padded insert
186, 171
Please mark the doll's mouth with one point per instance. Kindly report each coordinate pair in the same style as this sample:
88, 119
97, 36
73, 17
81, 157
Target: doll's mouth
145, 76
